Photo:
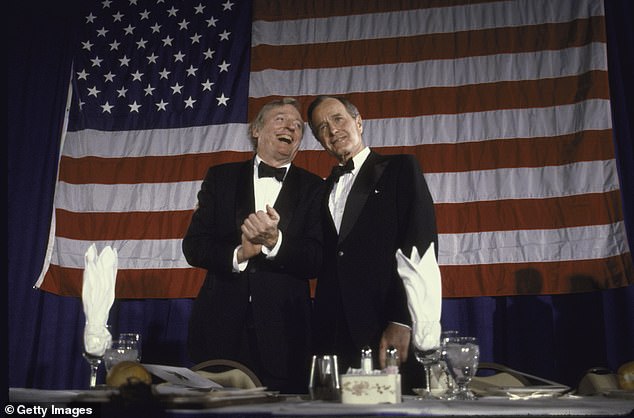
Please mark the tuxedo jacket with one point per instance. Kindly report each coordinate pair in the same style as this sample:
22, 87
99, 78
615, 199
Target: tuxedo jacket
358, 289
275, 294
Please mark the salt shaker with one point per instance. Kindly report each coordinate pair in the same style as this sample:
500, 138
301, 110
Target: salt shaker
366, 360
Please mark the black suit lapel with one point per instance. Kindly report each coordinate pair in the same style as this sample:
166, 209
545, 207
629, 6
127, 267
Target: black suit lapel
326, 215
245, 200
368, 176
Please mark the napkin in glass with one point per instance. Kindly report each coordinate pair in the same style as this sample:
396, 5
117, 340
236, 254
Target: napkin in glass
97, 296
422, 281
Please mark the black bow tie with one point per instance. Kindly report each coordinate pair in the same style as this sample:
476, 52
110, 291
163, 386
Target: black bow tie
265, 170
340, 170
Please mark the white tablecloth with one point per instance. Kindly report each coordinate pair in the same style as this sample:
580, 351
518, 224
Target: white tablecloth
564, 406
297, 406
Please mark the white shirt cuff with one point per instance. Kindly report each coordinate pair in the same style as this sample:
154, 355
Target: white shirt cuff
238, 267
403, 325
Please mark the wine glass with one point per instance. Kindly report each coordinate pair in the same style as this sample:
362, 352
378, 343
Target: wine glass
95, 341
427, 358
462, 355
94, 362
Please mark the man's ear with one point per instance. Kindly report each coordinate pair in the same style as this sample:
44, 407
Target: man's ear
359, 123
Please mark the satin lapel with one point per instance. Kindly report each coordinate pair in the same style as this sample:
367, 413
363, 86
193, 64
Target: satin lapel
245, 200
288, 198
325, 204
363, 185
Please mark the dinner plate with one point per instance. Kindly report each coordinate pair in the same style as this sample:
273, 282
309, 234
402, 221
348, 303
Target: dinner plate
202, 401
99, 394
434, 391
528, 391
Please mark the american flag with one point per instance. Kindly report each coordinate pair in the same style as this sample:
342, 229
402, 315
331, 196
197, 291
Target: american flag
505, 104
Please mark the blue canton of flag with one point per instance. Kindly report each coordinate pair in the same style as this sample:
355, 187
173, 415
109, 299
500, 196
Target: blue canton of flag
161, 64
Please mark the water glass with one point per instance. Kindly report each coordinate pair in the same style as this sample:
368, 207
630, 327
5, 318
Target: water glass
462, 355
126, 348
324, 383
450, 333
444, 335
132, 341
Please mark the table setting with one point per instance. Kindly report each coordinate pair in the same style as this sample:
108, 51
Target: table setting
451, 362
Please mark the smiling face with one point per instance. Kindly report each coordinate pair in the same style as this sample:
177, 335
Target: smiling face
337, 130
279, 135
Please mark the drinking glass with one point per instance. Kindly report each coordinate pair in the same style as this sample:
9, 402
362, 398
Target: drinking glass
450, 333
428, 358
93, 339
132, 341
94, 362
125, 348
324, 381
444, 335
462, 355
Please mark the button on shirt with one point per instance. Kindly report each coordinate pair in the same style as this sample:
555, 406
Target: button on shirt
265, 192
341, 189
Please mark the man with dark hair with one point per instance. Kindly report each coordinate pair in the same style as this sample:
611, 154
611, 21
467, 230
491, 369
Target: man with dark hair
373, 205
257, 232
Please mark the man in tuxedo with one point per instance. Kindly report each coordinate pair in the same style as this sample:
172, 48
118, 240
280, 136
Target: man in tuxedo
256, 231
373, 205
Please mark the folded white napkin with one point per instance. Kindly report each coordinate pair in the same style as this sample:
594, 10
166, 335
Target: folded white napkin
97, 296
421, 278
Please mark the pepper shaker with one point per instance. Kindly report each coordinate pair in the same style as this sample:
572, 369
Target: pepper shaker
391, 360
366, 360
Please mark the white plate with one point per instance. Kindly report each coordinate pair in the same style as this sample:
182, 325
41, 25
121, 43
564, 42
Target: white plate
434, 391
527, 391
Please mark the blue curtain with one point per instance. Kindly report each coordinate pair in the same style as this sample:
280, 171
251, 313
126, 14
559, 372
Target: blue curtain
557, 337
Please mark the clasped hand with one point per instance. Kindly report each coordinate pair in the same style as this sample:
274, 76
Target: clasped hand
258, 229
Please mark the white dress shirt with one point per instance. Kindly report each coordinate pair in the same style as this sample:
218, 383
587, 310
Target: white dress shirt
341, 189
265, 192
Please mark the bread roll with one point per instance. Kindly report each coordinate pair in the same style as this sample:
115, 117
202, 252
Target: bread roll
625, 375
127, 372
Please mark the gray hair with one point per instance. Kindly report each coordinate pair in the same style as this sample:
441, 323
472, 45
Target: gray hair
258, 121
350, 108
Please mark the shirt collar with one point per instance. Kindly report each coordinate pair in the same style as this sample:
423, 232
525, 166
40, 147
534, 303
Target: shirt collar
359, 159
257, 160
